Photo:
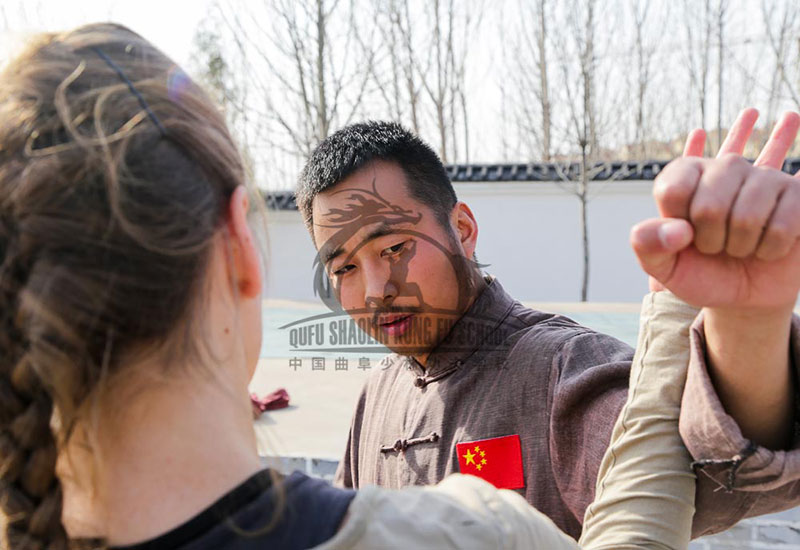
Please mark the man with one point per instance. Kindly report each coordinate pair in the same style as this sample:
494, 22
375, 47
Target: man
478, 383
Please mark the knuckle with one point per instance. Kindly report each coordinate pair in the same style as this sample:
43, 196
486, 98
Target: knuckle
707, 212
677, 165
766, 179
768, 253
672, 192
732, 160
746, 223
708, 246
679, 168
778, 232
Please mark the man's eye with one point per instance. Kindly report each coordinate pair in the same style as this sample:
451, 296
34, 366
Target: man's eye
344, 269
394, 249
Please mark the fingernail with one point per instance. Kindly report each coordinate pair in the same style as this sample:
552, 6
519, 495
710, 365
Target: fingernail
671, 234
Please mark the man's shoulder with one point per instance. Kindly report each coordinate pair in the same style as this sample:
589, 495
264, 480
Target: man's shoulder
530, 326
536, 333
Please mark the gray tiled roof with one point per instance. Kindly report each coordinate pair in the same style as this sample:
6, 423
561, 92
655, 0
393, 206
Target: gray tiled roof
532, 172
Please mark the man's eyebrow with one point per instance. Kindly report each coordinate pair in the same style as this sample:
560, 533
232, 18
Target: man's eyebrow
376, 233
379, 231
330, 254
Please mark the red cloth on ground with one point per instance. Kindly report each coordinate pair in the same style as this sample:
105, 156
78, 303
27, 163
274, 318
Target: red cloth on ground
278, 399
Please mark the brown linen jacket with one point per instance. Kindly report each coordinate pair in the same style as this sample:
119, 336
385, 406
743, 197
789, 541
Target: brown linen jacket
505, 369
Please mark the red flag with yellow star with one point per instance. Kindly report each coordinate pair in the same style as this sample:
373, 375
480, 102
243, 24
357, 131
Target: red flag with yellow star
497, 460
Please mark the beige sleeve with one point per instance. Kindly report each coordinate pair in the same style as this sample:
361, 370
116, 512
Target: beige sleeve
462, 512
646, 487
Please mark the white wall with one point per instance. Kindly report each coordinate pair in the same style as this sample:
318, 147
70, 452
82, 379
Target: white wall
529, 233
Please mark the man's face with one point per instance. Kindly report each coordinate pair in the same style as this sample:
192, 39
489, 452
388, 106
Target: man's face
390, 261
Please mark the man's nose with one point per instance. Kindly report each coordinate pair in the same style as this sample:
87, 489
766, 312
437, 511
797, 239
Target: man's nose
380, 289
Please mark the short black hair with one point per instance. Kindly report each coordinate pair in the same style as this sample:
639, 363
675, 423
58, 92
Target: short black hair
353, 147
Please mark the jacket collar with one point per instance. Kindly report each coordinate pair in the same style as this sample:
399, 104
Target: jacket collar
469, 334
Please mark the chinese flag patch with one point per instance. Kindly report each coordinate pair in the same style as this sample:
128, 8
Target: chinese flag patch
497, 460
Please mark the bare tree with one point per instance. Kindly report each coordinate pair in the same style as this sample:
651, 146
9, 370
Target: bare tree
225, 82
444, 72
565, 122
214, 70
720, 16
306, 73
421, 73
544, 86
399, 83
699, 41
589, 109
439, 88
528, 63
704, 24
783, 33
583, 121
390, 86
645, 46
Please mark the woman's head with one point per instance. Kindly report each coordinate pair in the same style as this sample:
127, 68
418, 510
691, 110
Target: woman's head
118, 181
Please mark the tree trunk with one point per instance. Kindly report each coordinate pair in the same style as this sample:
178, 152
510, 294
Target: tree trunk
643, 59
440, 85
706, 52
322, 107
410, 84
463, 98
641, 87
450, 68
798, 73
589, 80
394, 49
546, 124
583, 196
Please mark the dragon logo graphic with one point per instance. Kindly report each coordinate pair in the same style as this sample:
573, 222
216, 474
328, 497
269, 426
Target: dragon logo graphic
369, 207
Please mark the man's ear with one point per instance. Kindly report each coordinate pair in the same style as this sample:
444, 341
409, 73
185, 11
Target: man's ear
244, 252
465, 227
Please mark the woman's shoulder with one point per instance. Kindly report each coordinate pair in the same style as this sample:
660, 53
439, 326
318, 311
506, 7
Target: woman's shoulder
301, 512
267, 510
462, 511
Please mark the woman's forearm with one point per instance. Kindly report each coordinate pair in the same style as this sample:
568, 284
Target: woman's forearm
645, 488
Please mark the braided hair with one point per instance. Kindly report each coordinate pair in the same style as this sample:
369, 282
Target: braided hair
115, 171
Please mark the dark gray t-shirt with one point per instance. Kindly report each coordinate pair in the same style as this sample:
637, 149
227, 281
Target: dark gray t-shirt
311, 513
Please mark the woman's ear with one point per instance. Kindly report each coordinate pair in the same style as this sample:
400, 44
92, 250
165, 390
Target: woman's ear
465, 227
243, 248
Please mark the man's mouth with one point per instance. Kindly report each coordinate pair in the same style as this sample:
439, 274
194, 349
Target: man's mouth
396, 324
